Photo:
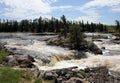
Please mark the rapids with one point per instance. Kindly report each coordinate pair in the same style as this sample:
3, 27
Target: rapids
37, 47
110, 58
33, 45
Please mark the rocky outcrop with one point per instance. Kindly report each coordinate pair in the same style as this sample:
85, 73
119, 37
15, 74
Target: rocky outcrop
86, 46
66, 75
24, 61
75, 80
94, 48
58, 41
74, 75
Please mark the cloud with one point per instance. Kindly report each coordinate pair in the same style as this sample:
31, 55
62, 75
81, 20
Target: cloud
62, 7
90, 9
87, 18
103, 3
90, 14
26, 8
116, 8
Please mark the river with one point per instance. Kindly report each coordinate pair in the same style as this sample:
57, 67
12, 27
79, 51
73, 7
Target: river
34, 45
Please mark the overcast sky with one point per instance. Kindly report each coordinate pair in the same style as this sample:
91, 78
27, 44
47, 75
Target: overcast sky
104, 11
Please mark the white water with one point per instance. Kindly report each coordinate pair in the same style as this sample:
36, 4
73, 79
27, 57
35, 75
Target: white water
111, 61
43, 49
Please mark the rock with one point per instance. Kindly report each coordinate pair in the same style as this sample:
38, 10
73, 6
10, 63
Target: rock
79, 76
103, 48
45, 60
34, 71
58, 80
117, 38
94, 48
63, 72
24, 61
24, 58
50, 75
75, 80
12, 61
87, 70
42, 74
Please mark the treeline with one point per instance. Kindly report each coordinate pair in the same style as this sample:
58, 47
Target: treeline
61, 25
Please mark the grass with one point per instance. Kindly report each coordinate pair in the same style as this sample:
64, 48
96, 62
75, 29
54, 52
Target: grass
3, 56
8, 75
111, 29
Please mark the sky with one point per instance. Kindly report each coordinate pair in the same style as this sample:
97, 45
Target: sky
104, 11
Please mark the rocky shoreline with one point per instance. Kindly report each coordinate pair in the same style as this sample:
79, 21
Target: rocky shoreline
65, 75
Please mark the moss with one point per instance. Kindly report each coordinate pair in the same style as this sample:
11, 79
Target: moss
83, 73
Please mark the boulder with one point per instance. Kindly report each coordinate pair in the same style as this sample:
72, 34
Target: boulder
75, 80
79, 76
24, 61
42, 74
24, 58
12, 61
58, 80
94, 48
49, 76
34, 71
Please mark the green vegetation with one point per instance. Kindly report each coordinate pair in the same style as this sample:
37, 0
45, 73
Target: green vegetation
8, 75
75, 37
38, 81
86, 75
111, 29
3, 56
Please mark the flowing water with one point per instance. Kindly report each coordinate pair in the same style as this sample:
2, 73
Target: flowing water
37, 47
110, 58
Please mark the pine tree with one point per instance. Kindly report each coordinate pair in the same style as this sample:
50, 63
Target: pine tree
75, 37
117, 26
65, 26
